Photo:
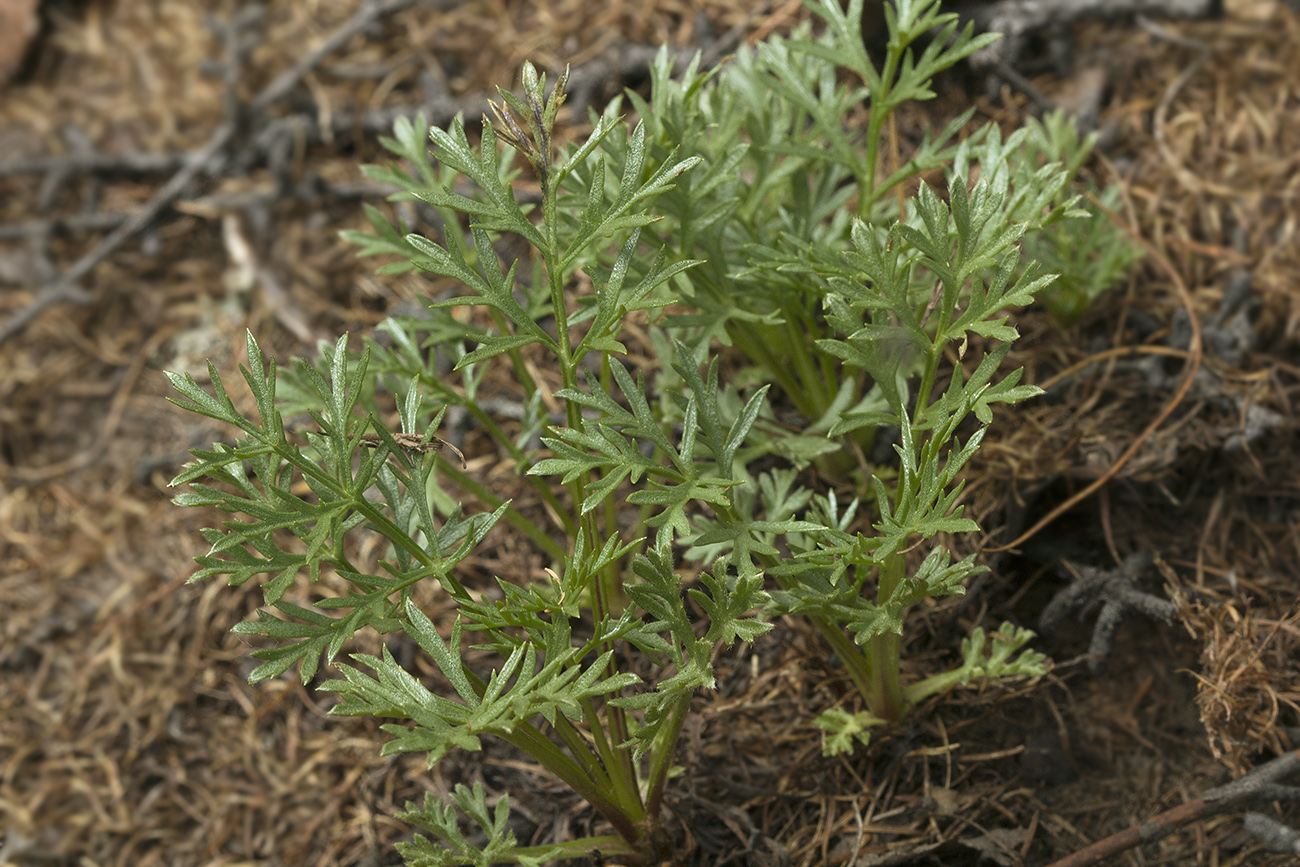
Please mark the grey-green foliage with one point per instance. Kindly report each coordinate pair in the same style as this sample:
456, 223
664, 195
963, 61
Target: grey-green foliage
558, 691
846, 295
1089, 255
440, 819
899, 299
788, 163
791, 246
785, 178
257, 475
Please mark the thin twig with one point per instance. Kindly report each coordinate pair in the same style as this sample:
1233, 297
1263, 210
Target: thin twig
1107, 355
1012, 76
206, 206
1260, 785
1016, 19
438, 109
81, 163
1019, 16
65, 288
100, 221
288, 80
1185, 177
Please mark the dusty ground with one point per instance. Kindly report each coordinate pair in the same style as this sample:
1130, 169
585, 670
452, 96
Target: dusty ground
128, 732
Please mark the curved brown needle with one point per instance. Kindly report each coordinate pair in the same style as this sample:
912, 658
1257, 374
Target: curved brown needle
1108, 354
1190, 368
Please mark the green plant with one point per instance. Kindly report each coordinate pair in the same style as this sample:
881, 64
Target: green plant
846, 293
903, 299
785, 174
558, 694
1089, 255
791, 247
787, 164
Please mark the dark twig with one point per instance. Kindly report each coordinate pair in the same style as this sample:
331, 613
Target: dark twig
1114, 590
1259, 786
1228, 335
80, 163
239, 36
1018, 16
65, 288
631, 61
288, 80
101, 221
52, 294
1012, 76
1272, 833
1016, 19
309, 189
57, 177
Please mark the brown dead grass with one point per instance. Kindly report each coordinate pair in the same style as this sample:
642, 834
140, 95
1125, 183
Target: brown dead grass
128, 732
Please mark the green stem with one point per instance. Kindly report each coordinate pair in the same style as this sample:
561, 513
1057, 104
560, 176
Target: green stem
584, 846
581, 751
880, 111
923, 689
530, 740
386, 527
857, 662
933, 356
617, 761
521, 458
606, 597
661, 751
800, 346
516, 357
874, 668
886, 697
754, 343
612, 579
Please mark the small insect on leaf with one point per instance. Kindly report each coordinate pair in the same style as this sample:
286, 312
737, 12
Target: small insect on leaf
415, 445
